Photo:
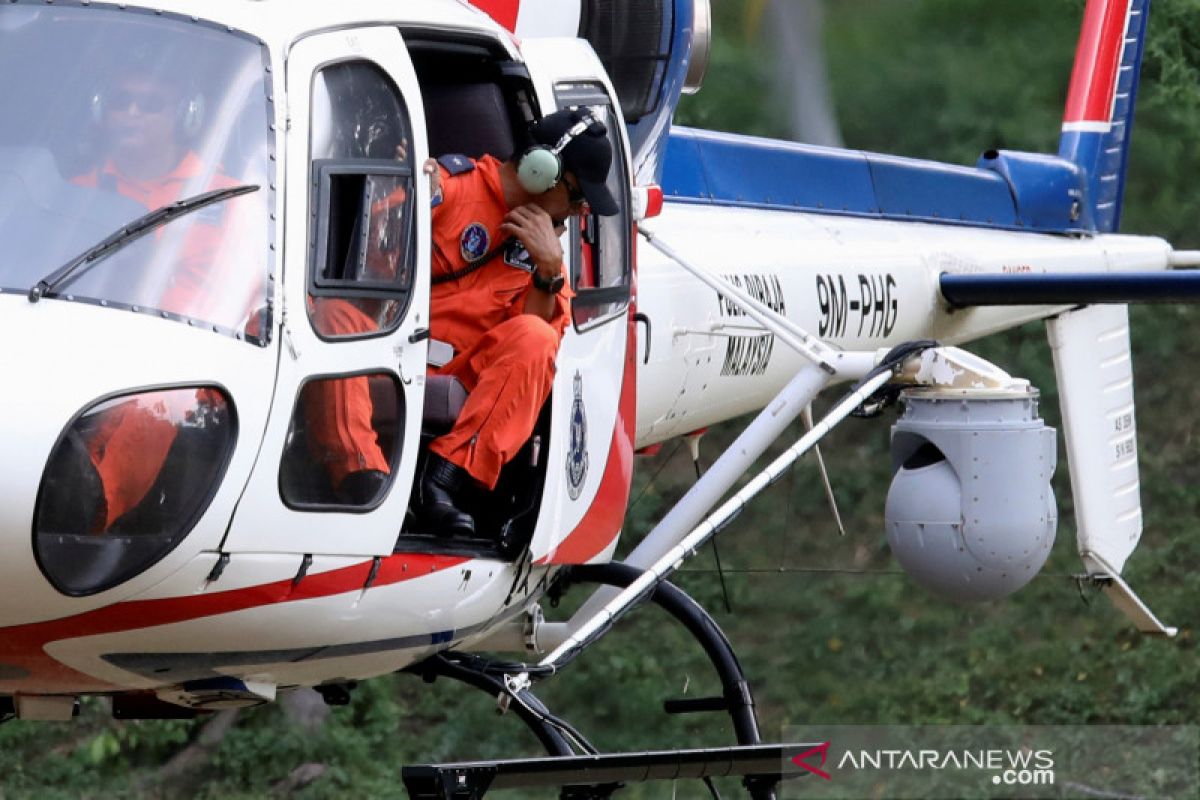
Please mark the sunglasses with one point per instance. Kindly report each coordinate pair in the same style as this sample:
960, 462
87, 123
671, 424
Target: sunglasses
574, 196
123, 99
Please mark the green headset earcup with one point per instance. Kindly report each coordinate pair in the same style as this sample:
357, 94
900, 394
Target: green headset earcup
539, 170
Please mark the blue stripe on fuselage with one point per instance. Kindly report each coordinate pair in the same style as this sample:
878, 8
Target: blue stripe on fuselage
728, 169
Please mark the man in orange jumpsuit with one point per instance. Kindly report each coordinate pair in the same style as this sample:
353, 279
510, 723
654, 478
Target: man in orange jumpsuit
149, 162
499, 299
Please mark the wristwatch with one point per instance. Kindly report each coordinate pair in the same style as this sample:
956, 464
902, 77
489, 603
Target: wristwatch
552, 286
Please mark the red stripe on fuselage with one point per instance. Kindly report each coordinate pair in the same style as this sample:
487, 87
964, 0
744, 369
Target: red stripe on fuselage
606, 515
503, 11
23, 646
1097, 61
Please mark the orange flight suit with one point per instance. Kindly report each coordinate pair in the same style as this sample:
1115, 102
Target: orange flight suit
192, 276
338, 411
128, 449
503, 356
130, 445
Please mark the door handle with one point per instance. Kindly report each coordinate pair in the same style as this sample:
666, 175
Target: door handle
640, 317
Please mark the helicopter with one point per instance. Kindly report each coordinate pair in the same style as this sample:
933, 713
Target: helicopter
739, 275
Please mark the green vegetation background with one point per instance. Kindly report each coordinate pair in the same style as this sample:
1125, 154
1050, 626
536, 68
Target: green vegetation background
828, 629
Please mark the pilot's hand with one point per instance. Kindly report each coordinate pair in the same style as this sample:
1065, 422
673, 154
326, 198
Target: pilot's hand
538, 233
431, 171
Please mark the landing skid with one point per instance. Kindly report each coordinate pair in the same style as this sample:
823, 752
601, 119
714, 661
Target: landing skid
573, 763
596, 777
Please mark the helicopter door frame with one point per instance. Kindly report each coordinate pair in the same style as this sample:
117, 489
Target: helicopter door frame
269, 519
590, 463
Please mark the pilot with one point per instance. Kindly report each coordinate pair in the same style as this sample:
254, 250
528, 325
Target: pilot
146, 120
500, 299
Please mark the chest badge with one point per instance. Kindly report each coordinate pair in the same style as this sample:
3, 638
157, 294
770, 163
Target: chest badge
474, 242
577, 457
515, 255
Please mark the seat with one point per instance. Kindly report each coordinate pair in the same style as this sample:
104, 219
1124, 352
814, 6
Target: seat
470, 119
444, 399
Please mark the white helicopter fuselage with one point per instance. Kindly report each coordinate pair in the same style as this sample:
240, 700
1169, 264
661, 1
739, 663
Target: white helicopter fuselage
277, 595
858, 284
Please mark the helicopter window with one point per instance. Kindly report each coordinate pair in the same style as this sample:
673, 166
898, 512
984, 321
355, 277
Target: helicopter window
119, 113
327, 466
600, 245
128, 479
362, 177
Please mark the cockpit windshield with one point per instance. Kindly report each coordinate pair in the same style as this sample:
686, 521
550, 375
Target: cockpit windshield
119, 112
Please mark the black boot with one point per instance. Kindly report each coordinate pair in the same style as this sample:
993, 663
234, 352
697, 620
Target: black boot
439, 513
362, 487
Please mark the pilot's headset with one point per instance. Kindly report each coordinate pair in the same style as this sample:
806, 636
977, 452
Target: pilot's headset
540, 168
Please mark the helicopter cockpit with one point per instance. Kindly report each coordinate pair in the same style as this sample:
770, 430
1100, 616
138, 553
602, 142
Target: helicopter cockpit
118, 115
134, 154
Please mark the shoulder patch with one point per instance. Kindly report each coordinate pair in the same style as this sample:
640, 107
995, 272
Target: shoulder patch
474, 242
456, 164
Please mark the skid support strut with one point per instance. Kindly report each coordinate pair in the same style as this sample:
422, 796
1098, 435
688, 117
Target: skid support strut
593, 775
736, 698
530, 711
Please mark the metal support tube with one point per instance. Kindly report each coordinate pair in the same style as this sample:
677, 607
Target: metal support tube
758, 436
702, 627
670, 561
783, 328
1183, 259
439, 666
768, 426
739, 701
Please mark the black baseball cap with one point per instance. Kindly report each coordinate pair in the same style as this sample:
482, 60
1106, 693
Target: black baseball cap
588, 156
